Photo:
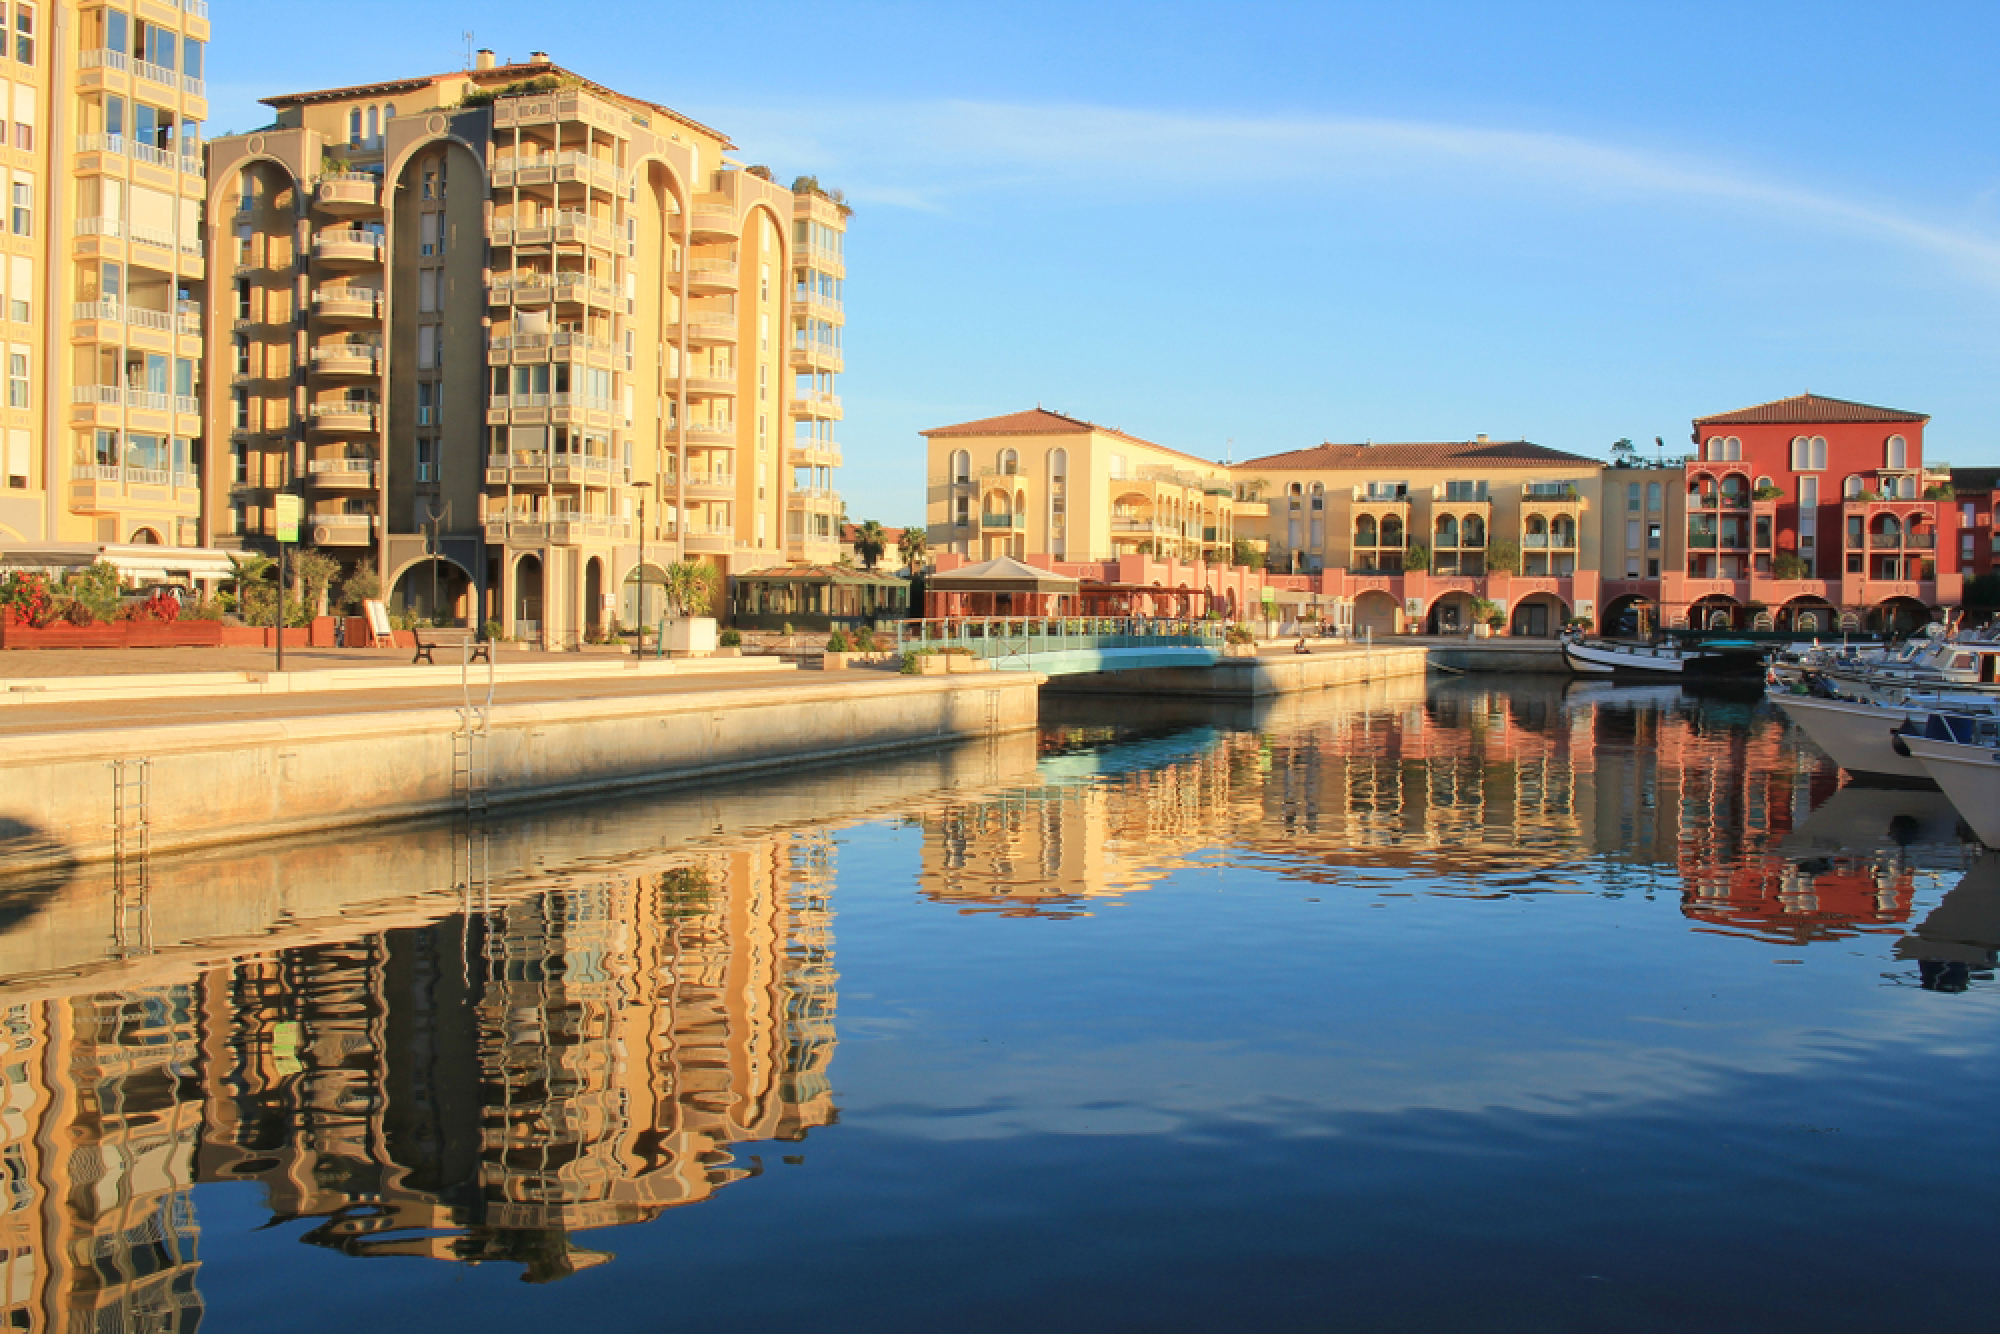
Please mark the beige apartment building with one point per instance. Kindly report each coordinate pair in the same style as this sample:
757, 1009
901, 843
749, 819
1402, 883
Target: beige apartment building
102, 450
509, 333
1044, 484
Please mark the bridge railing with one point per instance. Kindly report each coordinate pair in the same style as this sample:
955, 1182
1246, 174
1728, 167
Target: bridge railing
998, 638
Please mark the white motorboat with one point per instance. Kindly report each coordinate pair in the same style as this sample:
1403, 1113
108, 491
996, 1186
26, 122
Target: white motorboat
1614, 657
1962, 756
1863, 736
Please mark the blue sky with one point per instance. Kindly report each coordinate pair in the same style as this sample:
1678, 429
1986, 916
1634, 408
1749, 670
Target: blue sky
1250, 227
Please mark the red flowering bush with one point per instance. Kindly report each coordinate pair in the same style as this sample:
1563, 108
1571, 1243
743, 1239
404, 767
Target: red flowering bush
25, 600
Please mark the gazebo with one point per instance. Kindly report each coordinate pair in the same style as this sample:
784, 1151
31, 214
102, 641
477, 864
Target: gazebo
1000, 587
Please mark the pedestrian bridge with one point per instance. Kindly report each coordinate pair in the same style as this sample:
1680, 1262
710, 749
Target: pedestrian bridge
1070, 645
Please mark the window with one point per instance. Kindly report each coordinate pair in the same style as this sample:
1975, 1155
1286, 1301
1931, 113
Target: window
1898, 452
1652, 537
24, 137
1723, 449
354, 127
1808, 454
1653, 567
17, 379
427, 460
1652, 497
23, 217
24, 34
427, 289
427, 346
430, 190
428, 228
1632, 534
1632, 498
1850, 486
427, 403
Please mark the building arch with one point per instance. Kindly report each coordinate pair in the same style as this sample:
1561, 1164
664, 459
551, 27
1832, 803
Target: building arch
1377, 612
1807, 615
145, 537
1643, 612
961, 465
527, 602
1716, 611
1538, 616
1899, 616
432, 586
1450, 613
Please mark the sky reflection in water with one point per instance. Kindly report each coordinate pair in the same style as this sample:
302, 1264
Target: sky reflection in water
1400, 1008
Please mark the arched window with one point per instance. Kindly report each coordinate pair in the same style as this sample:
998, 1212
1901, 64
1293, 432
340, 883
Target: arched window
388, 112
1010, 462
1473, 533
1897, 455
1732, 449
961, 466
1058, 464
1808, 453
1295, 490
1764, 484
1818, 453
1711, 449
1392, 531
1851, 486
1364, 531
1906, 486
1447, 531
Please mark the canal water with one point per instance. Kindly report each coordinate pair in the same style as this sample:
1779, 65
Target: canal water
1452, 1006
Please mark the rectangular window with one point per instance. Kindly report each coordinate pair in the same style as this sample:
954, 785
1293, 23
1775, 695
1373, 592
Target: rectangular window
1854, 560
426, 346
1653, 567
1631, 534
354, 127
427, 286
24, 137
17, 379
427, 460
1653, 497
427, 233
1652, 537
19, 312
24, 34
427, 398
17, 458
117, 32
22, 219
1632, 497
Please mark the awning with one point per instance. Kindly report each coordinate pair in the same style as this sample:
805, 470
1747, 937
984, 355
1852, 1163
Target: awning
133, 562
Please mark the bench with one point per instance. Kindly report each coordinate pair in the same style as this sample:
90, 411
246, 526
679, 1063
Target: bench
482, 651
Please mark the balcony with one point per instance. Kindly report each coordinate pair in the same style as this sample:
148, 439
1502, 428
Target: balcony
1015, 522
814, 306
347, 359
344, 416
712, 275
567, 105
537, 347
703, 485
348, 192
347, 246
711, 329
570, 226
817, 405
708, 223
341, 530
348, 303
343, 474
815, 455
533, 170
710, 386
711, 433
535, 289
102, 488
815, 355
561, 528
184, 321
819, 257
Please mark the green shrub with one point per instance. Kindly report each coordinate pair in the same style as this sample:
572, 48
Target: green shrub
730, 639
910, 660
837, 642
1241, 633
491, 630
96, 588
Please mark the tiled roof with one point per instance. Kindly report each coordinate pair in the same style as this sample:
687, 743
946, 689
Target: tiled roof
1437, 454
497, 77
848, 574
1040, 421
1809, 409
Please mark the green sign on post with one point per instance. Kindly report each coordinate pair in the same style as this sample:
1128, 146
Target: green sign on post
288, 518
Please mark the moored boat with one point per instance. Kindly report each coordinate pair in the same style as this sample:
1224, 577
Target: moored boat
1612, 657
1962, 755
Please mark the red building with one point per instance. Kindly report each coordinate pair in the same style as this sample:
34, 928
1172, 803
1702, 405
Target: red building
1814, 503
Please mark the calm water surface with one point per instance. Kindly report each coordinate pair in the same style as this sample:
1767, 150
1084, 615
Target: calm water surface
1450, 1008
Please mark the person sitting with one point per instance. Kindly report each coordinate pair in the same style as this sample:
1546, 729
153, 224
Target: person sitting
1300, 647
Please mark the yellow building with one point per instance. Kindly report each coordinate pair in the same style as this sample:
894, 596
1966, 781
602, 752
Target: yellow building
103, 447
511, 318
1039, 483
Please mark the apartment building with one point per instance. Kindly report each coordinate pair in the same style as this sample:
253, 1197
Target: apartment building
1040, 485
1805, 513
103, 447
510, 332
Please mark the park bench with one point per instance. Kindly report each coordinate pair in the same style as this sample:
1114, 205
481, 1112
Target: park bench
482, 651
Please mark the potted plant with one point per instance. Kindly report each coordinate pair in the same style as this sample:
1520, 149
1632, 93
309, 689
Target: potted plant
1241, 641
837, 651
1486, 617
691, 588
729, 644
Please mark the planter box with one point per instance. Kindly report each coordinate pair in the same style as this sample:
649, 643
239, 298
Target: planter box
320, 633
695, 634
729, 651
960, 663
117, 634
834, 662
933, 664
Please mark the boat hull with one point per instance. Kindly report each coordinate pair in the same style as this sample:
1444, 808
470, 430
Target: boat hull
1970, 776
1662, 662
1860, 738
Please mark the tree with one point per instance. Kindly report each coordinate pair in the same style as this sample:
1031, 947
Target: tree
360, 586
1624, 454
870, 540
249, 567
912, 547
1244, 554
1503, 557
691, 587
1417, 558
1789, 565
314, 571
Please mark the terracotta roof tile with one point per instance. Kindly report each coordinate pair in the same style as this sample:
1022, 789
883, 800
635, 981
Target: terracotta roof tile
1804, 409
1435, 454
1040, 421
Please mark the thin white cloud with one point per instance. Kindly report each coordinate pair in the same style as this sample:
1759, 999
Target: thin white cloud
922, 155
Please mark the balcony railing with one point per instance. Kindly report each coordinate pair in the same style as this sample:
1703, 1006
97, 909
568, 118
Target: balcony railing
343, 467
348, 302
555, 341
1003, 521
346, 415
133, 476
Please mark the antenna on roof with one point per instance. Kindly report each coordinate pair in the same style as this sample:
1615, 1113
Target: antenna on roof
1229, 451
467, 35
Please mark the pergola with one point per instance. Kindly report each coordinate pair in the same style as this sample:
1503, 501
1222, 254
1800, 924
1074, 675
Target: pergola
817, 597
1000, 587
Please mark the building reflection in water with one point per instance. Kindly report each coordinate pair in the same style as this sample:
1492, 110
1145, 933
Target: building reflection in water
579, 1036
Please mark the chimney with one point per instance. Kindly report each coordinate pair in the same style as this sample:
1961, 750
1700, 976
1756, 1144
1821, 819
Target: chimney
1479, 439
538, 57
484, 58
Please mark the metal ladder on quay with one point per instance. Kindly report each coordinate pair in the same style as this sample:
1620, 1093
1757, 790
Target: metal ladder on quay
471, 742
131, 857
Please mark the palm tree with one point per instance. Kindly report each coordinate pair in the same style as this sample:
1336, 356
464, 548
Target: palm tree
248, 568
871, 540
913, 546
